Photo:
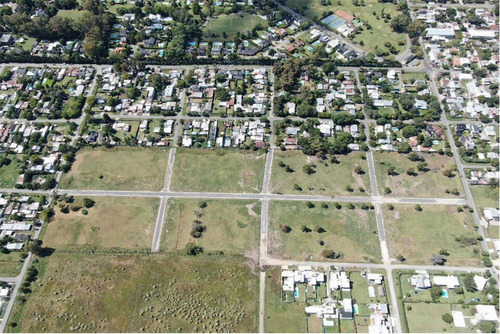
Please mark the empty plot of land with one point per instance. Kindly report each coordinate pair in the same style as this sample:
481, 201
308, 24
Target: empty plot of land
417, 235
150, 293
350, 232
324, 178
485, 197
121, 222
123, 168
427, 318
10, 264
230, 25
228, 225
429, 183
218, 171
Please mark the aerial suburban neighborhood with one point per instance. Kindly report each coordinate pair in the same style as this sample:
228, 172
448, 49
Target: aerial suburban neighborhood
270, 166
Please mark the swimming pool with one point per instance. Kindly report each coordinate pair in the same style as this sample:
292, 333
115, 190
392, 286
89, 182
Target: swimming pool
444, 293
296, 293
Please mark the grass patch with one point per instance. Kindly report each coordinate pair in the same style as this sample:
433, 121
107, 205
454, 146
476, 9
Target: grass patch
484, 197
231, 225
70, 13
327, 179
431, 183
418, 235
9, 173
426, 318
218, 171
11, 264
120, 222
350, 232
281, 317
230, 24
123, 168
154, 293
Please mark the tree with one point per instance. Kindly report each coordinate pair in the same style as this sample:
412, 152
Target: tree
447, 318
35, 247
308, 169
319, 229
358, 170
297, 187
400, 23
436, 293
305, 229
469, 283
411, 171
94, 45
330, 254
487, 326
391, 171
88, 203
409, 131
310, 204
404, 147
418, 207
387, 190
401, 258
438, 260
285, 228
192, 249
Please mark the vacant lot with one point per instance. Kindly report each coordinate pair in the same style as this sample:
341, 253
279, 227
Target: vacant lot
122, 222
378, 36
10, 172
218, 171
10, 264
281, 317
231, 24
327, 179
124, 168
155, 293
230, 225
350, 232
484, 197
417, 235
430, 183
426, 318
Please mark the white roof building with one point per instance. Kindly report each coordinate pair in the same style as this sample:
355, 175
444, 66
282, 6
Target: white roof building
486, 312
450, 281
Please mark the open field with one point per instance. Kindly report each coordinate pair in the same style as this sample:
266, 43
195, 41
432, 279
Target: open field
120, 222
418, 235
218, 171
10, 264
121, 168
154, 293
426, 318
281, 317
230, 24
378, 36
9, 173
350, 232
231, 225
70, 13
431, 183
484, 197
328, 178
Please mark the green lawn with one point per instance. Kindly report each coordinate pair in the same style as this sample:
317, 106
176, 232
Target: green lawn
360, 290
377, 37
10, 172
350, 232
218, 171
418, 235
121, 222
328, 178
426, 318
230, 24
121, 168
431, 183
281, 317
134, 293
70, 13
231, 225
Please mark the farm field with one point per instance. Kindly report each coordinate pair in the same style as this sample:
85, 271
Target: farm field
150, 293
328, 178
350, 232
218, 171
123, 168
113, 222
418, 235
231, 225
231, 24
431, 183
378, 36
281, 317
